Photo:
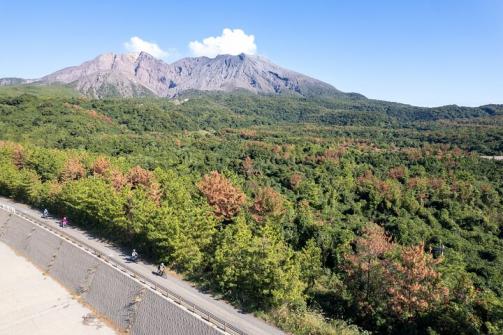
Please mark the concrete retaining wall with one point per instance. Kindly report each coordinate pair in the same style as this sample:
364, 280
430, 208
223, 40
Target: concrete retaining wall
16, 233
71, 267
159, 316
4, 216
113, 294
43, 248
130, 305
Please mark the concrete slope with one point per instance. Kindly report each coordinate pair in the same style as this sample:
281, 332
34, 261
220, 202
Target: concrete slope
246, 323
33, 303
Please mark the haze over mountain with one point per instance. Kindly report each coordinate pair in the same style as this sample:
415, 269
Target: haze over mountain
140, 74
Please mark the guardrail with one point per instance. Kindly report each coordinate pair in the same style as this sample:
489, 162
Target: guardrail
201, 312
7, 208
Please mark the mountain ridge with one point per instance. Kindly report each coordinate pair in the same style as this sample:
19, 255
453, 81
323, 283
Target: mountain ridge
141, 74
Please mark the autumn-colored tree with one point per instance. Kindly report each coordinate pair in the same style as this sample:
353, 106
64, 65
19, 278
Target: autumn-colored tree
398, 172
247, 166
248, 133
221, 194
390, 191
366, 178
415, 285
381, 193
118, 179
295, 180
333, 155
267, 202
138, 176
417, 183
18, 156
154, 192
101, 166
420, 187
413, 154
277, 149
72, 170
366, 268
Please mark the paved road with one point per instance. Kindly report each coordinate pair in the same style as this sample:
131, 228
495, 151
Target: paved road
32, 303
496, 158
244, 322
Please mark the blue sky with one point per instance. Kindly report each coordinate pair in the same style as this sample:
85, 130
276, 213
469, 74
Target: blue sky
428, 52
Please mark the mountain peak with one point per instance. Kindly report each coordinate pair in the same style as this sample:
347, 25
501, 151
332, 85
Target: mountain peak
145, 55
240, 56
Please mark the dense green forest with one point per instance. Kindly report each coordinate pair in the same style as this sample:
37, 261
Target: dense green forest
329, 216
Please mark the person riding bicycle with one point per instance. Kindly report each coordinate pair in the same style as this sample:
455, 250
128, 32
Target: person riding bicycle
160, 269
134, 255
64, 222
45, 214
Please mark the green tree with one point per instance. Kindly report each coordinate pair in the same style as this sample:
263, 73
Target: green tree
262, 263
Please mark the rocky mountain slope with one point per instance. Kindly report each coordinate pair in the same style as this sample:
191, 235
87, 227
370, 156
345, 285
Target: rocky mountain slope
141, 74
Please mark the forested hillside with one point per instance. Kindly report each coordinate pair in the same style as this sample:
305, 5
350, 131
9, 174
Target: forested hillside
475, 129
330, 216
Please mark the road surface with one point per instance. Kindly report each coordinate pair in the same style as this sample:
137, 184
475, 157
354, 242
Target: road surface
496, 158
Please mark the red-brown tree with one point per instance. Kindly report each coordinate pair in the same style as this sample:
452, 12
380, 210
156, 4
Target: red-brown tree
101, 166
295, 180
247, 166
414, 284
138, 176
118, 179
366, 268
72, 170
18, 156
226, 199
267, 202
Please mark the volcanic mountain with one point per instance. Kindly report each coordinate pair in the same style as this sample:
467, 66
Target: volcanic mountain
140, 74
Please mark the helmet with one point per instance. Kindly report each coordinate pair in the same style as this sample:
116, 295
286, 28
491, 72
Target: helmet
134, 250
162, 264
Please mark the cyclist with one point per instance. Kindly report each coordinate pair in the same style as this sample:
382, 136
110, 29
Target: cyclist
134, 255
